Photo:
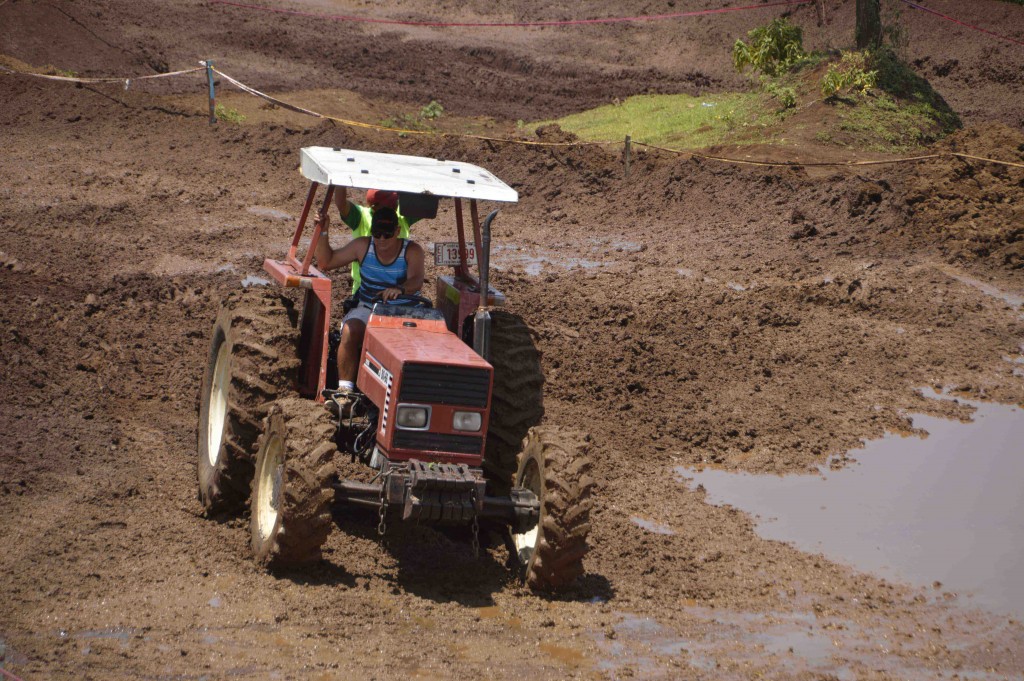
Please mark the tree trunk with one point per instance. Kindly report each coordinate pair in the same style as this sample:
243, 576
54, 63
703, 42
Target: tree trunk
869, 23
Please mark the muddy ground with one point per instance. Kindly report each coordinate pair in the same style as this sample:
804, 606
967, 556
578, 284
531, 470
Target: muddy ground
694, 313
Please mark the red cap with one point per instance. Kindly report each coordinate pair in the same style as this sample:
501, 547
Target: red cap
378, 198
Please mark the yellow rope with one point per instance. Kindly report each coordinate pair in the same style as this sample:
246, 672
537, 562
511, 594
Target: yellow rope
791, 164
988, 160
74, 79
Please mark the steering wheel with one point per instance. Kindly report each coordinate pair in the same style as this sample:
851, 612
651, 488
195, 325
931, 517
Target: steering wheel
414, 300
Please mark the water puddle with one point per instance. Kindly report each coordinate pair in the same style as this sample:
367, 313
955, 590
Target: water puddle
651, 526
593, 254
121, 634
732, 644
266, 212
946, 508
567, 656
1011, 299
253, 280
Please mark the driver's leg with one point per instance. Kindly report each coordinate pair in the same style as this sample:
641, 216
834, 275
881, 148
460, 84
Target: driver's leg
351, 346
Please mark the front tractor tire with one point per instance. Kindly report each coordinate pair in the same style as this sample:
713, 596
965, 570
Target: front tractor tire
555, 466
517, 400
252, 362
290, 515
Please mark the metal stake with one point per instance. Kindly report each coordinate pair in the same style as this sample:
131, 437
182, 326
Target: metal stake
627, 153
213, 99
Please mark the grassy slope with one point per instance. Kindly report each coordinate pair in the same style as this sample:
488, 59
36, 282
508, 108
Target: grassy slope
901, 113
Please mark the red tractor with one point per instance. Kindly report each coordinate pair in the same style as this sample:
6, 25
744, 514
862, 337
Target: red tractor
445, 419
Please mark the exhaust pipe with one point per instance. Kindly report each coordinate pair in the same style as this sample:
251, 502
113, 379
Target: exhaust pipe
482, 318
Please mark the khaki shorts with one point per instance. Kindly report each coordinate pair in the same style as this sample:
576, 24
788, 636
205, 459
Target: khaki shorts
360, 312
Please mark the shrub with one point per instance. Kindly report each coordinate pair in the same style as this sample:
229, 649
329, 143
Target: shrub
785, 94
431, 111
228, 115
851, 73
773, 49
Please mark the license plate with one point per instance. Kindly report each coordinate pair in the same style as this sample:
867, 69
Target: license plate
448, 253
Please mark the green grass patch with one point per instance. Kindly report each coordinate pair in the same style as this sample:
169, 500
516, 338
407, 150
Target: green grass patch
228, 115
676, 121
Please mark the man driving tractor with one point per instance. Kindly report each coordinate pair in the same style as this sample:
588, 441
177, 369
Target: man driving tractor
359, 218
390, 270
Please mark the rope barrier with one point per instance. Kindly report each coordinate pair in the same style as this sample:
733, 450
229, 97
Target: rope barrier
987, 160
955, 21
384, 128
526, 24
795, 164
75, 79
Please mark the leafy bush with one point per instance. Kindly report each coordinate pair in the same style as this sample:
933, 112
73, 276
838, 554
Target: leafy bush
431, 111
785, 94
227, 115
773, 49
851, 73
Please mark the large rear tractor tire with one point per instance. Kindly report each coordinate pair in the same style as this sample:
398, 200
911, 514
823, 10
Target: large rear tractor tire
517, 400
252, 362
555, 466
291, 490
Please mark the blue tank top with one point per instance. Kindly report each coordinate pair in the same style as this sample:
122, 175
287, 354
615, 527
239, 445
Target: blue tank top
376, 276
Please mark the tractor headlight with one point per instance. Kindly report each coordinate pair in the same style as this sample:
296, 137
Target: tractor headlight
468, 421
413, 416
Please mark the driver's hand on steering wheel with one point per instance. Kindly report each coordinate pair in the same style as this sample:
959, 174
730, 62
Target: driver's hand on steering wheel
391, 293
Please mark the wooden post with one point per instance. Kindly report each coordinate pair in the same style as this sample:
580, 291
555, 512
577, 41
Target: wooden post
626, 153
213, 98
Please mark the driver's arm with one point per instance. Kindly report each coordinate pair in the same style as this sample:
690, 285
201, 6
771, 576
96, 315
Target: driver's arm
328, 258
342, 202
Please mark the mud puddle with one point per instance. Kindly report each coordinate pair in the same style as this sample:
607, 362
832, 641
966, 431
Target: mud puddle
944, 511
1011, 299
593, 253
732, 644
272, 213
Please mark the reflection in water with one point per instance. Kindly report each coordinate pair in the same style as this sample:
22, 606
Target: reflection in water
946, 508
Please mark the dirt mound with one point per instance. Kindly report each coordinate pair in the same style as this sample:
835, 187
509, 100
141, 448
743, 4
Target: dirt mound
973, 207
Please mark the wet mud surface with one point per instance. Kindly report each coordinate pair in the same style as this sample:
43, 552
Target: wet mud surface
693, 314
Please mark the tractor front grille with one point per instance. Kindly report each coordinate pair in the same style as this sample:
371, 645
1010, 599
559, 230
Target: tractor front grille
437, 442
440, 384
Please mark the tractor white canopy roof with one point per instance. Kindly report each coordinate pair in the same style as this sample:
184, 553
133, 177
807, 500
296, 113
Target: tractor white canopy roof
394, 172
